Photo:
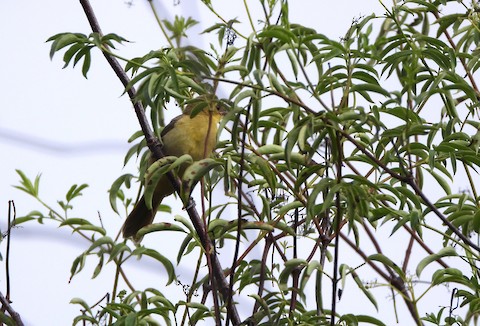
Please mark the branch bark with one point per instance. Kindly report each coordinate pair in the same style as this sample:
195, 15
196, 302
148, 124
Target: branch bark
15, 315
155, 147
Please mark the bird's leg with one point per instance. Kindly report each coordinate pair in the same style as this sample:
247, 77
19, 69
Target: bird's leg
191, 204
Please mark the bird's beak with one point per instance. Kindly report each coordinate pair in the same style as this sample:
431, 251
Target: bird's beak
221, 110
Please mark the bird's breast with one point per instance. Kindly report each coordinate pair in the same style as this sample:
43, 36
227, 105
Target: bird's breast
194, 136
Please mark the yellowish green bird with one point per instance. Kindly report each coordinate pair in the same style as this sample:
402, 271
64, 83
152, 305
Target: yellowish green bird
196, 136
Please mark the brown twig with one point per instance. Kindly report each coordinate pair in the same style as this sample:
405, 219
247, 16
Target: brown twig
408, 253
155, 147
396, 281
410, 181
11, 206
337, 224
424, 245
15, 315
239, 207
296, 271
262, 273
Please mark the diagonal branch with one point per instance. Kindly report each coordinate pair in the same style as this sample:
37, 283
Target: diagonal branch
411, 182
15, 315
155, 147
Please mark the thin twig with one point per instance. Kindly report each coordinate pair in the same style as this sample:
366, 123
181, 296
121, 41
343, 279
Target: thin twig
408, 180
210, 247
395, 281
296, 271
239, 208
118, 268
408, 253
262, 273
15, 315
337, 225
11, 206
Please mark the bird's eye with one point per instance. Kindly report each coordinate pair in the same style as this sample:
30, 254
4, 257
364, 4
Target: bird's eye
221, 109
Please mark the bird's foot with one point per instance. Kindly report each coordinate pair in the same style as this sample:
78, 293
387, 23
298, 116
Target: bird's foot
190, 204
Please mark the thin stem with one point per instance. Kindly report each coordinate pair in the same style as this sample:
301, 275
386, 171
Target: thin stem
192, 290
160, 24
415, 187
296, 271
395, 281
15, 315
239, 206
470, 180
249, 17
11, 216
115, 283
337, 225
263, 266
223, 20
408, 253
210, 247
319, 280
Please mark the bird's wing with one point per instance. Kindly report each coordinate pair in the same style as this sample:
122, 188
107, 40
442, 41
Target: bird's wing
170, 125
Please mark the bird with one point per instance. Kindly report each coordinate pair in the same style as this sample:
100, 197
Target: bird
185, 134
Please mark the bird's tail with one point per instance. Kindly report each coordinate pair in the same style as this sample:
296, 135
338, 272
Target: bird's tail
139, 217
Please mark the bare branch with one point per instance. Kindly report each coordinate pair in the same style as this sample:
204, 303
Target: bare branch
15, 315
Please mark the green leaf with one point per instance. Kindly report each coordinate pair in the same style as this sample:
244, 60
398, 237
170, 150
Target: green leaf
449, 275
100, 242
93, 228
365, 291
388, 262
23, 219
115, 188
275, 84
75, 191
290, 206
290, 265
444, 252
476, 222
118, 249
195, 172
75, 221
27, 186
68, 55
77, 265
369, 320
442, 182
156, 172
86, 63
155, 227
98, 268
182, 251
159, 257
277, 32
270, 149
82, 303
64, 39
7, 320
370, 88
308, 271
191, 83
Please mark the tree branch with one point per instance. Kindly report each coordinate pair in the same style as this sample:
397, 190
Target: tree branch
15, 315
155, 147
410, 181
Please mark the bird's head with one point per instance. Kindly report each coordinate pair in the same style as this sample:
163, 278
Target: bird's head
209, 105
